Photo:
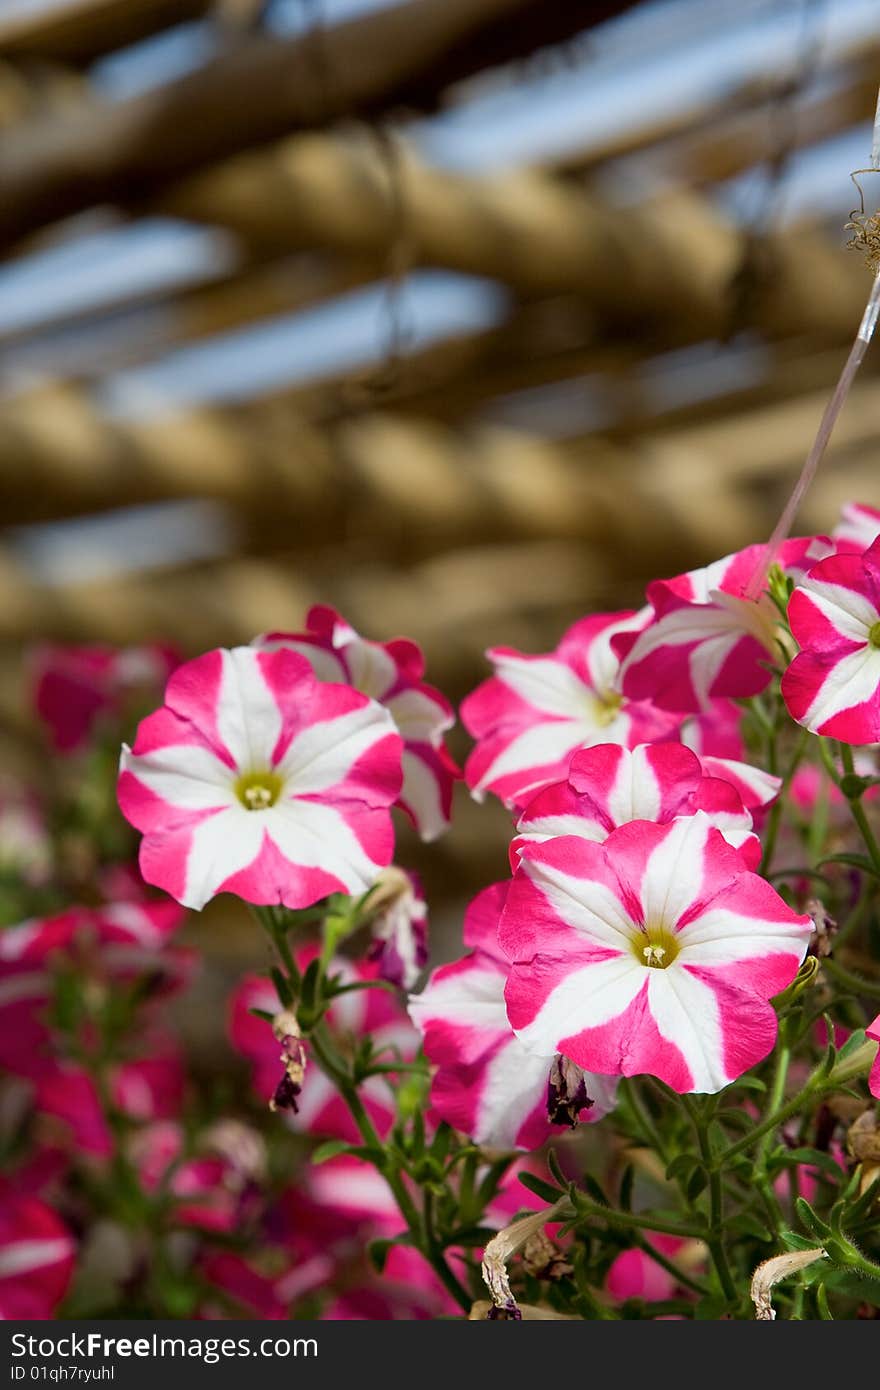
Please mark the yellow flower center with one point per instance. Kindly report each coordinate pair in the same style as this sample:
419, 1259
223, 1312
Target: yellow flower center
655, 946
874, 635
257, 791
605, 708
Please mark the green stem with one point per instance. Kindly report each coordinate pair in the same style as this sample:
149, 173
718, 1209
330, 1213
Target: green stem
640, 1221
715, 1237
643, 1118
857, 916
419, 1224
775, 1097
433, 1252
774, 1101
671, 1268
857, 810
774, 819
854, 982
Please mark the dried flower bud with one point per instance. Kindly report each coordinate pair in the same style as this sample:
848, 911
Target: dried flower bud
770, 1273
824, 929
483, 1311
863, 1142
543, 1258
293, 1059
566, 1093
398, 916
503, 1246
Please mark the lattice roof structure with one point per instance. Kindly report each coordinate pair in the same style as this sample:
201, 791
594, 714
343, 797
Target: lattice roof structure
467, 316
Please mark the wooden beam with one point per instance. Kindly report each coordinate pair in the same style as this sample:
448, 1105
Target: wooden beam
402, 55
78, 31
672, 256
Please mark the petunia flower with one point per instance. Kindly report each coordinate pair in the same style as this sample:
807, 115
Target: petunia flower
36, 1258
833, 685
655, 952
535, 711
76, 687
391, 673
255, 778
486, 1083
707, 638
608, 786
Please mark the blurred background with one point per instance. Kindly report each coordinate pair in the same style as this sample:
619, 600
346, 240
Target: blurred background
464, 316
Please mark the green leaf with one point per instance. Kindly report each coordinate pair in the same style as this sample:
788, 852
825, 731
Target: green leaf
262, 1013
282, 987
594, 1190
331, 1148
855, 861
541, 1189
748, 1223
681, 1167
711, 1309
695, 1184
627, 1182
815, 1157
310, 984
377, 1253
856, 1040
811, 1220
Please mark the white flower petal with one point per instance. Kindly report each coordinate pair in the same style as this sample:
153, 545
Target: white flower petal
221, 846
248, 718
586, 906
851, 681
317, 836
849, 611
544, 682
674, 871
187, 777
586, 998
686, 1013
322, 755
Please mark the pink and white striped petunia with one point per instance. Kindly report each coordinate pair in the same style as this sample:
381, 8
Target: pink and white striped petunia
873, 1032
75, 688
716, 739
391, 673
36, 1258
608, 786
707, 639
833, 685
655, 952
858, 527
255, 778
486, 1084
537, 710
